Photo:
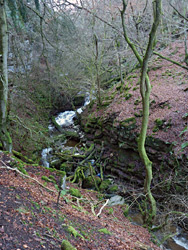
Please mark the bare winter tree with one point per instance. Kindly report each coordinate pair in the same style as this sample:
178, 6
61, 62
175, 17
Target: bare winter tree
145, 89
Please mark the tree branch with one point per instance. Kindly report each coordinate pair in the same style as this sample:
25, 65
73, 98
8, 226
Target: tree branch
24, 175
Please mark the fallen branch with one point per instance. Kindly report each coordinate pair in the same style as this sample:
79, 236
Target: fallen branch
100, 211
24, 175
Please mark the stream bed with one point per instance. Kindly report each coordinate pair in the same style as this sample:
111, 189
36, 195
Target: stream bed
66, 121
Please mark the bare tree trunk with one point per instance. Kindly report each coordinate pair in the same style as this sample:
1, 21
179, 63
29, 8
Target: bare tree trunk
4, 135
97, 70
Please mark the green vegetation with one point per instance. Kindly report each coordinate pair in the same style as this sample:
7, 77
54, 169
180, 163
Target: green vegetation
104, 231
45, 178
74, 232
66, 245
75, 192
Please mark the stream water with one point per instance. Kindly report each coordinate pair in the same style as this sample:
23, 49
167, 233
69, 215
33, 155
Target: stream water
66, 119
178, 242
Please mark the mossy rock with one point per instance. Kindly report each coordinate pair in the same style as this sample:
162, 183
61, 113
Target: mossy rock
129, 123
61, 173
79, 100
75, 192
67, 167
112, 189
66, 245
56, 163
74, 232
158, 144
104, 185
89, 182
71, 134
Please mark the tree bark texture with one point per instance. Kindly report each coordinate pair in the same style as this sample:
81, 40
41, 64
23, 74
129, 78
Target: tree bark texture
4, 135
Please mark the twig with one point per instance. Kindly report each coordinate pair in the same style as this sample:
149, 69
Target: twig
100, 211
24, 175
179, 13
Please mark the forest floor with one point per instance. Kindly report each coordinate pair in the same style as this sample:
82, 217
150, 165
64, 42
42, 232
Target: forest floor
168, 100
31, 219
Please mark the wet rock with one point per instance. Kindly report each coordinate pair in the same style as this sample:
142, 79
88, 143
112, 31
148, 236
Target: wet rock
79, 100
116, 200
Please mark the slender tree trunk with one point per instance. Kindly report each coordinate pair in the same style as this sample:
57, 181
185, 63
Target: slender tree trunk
97, 70
145, 89
4, 135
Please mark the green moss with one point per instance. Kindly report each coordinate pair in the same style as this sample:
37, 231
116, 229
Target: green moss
71, 134
138, 114
75, 192
104, 185
129, 123
135, 88
128, 96
113, 189
51, 177
131, 76
22, 157
22, 169
61, 173
66, 245
126, 211
45, 178
89, 182
129, 120
137, 101
74, 232
105, 231
110, 211
52, 170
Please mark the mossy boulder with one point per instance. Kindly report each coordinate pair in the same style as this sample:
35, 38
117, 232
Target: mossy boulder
66, 245
79, 100
89, 182
104, 185
112, 189
67, 167
75, 192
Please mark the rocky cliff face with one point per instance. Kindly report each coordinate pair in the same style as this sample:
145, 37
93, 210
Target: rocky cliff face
119, 143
